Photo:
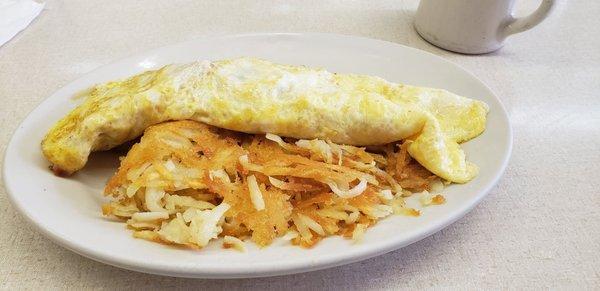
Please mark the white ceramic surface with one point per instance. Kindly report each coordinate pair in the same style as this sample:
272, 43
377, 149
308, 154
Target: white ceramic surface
473, 26
67, 210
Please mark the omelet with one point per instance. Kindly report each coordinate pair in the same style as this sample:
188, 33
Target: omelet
257, 96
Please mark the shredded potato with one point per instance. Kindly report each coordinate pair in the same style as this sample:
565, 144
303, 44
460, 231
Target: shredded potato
234, 242
188, 183
359, 232
255, 194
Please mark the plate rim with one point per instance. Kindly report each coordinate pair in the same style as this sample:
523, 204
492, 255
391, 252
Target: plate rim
267, 269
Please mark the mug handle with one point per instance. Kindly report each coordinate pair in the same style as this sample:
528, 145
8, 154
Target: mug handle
516, 25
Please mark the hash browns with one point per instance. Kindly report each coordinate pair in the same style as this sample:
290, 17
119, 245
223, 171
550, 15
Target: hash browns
186, 183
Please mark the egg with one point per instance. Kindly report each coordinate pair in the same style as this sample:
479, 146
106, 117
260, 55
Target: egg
257, 96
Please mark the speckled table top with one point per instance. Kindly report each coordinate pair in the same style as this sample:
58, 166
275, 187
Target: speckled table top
537, 229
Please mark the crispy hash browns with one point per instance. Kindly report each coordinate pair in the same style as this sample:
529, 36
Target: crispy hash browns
186, 183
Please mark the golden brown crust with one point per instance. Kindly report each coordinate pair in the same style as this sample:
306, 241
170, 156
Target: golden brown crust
59, 172
301, 196
410, 174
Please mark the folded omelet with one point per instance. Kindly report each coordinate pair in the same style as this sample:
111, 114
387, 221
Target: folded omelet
256, 96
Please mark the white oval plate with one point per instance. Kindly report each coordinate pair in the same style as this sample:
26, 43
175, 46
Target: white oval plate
67, 210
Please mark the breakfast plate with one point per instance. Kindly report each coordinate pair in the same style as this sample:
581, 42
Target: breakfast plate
67, 210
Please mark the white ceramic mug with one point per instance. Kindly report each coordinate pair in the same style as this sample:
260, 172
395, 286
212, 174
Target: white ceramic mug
473, 26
